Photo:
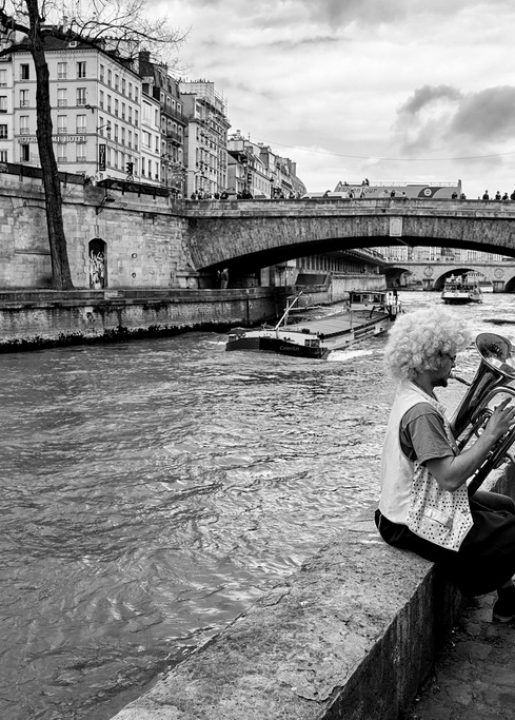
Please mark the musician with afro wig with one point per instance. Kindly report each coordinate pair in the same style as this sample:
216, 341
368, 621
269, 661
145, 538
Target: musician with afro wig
425, 505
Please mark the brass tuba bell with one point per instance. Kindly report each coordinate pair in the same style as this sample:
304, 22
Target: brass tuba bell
493, 377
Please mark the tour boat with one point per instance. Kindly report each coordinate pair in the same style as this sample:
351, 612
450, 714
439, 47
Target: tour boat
486, 286
456, 293
368, 313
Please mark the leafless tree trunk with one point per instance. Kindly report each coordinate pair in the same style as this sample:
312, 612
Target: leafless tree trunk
61, 275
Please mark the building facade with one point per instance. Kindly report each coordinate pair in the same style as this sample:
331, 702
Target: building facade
102, 125
160, 85
254, 170
205, 140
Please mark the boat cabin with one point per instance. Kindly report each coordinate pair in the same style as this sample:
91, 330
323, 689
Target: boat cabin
375, 300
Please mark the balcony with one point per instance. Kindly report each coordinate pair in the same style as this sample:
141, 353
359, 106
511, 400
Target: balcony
172, 135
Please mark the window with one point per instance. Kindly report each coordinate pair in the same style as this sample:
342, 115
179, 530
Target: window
123, 86
61, 98
123, 136
145, 139
81, 69
146, 112
3, 78
109, 77
116, 133
123, 111
61, 124
3, 156
24, 152
24, 125
62, 70
116, 104
116, 82
81, 124
101, 100
104, 125
81, 96
136, 141
136, 118
3, 132
109, 104
101, 73
24, 71
129, 117
24, 98
3, 103
81, 153
61, 152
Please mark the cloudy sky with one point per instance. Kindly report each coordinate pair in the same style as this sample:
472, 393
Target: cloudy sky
391, 90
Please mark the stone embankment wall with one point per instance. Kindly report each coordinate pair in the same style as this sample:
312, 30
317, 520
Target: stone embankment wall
351, 635
39, 319
143, 237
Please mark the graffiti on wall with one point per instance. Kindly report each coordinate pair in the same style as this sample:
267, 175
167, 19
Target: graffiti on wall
96, 269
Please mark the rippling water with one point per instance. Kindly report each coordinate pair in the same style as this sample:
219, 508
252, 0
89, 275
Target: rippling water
152, 490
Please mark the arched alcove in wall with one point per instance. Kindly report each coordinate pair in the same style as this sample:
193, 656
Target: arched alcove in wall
97, 253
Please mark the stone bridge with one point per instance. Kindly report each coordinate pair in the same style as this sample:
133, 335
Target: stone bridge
431, 276
251, 234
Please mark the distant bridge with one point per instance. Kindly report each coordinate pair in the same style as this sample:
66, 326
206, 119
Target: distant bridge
257, 233
432, 275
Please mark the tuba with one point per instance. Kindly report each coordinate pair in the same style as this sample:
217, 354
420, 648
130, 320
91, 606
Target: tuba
494, 377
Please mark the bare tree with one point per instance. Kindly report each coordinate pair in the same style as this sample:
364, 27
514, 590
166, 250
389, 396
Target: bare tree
119, 25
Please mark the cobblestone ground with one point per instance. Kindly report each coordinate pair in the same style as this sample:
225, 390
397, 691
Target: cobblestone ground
474, 677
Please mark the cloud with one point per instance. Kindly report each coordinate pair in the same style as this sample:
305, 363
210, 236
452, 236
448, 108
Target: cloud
486, 115
426, 95
440, 118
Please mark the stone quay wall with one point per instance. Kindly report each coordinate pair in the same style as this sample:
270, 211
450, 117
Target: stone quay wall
144, 238
45, 318
351, 635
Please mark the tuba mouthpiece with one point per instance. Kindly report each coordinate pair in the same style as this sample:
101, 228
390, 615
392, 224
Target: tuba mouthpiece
453, 376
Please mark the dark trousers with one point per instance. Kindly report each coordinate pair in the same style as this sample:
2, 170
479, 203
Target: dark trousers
486, 558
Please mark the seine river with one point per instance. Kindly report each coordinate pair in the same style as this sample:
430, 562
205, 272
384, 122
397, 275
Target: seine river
151, 491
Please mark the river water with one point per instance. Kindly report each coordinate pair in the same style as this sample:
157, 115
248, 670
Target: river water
151, 491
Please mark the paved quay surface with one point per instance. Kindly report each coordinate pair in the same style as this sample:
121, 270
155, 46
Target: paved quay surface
474, 676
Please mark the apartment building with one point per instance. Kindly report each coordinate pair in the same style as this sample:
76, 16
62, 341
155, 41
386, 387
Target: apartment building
6, 109
205, 140
248, 174
97, 103
158, 84
256, 170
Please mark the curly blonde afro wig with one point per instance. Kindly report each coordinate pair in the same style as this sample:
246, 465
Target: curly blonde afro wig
418, 340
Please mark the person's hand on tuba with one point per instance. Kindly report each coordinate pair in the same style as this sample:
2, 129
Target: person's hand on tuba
500, 421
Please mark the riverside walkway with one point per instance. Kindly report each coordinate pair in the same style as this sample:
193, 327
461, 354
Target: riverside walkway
474, 676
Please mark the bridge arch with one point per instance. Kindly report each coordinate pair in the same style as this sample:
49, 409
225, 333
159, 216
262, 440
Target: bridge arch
253, 234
